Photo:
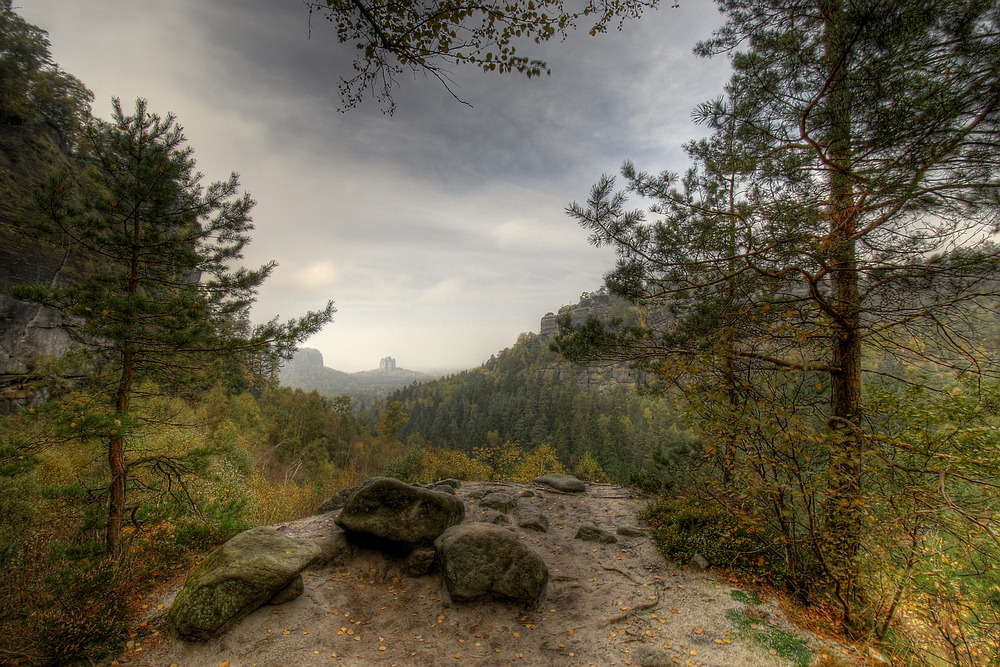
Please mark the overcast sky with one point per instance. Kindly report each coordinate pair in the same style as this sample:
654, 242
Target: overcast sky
439, 231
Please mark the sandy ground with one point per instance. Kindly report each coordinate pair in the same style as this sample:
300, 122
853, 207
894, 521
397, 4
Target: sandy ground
607, 604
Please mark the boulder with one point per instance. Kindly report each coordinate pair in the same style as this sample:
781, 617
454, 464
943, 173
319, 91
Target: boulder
444, 488
236, 579
699, 563
564, 483
481, 560
420, 562
595, 534
625, 531
337, 500
501, 502
533, 521
399, 516
499, 518
450, 481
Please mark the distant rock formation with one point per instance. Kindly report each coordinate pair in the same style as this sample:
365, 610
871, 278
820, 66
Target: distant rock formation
306, 371
603, 307
596, 306
305, 359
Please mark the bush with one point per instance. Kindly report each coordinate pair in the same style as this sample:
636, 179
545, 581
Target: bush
87, 614
683, 527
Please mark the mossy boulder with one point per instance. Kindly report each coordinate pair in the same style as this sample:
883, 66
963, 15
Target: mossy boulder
481, 560
236, 579
395, 515
595, 534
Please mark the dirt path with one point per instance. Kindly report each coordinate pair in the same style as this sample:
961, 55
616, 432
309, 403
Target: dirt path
607, 604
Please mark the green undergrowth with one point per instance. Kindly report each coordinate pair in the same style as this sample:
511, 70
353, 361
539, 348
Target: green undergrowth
685, 526
783, 643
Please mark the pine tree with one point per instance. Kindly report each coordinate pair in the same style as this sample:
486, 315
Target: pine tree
855, 219
167, 301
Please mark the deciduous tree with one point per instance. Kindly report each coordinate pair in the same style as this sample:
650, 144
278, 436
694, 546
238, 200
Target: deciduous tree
428, 36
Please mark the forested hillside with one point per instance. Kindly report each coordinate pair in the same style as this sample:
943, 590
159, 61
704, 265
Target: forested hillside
529, 396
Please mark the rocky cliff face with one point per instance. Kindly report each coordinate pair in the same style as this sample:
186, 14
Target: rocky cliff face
29, 332
604, 308
596, 306
305, 359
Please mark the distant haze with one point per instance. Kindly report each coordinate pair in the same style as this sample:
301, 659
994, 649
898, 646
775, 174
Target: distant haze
438, 231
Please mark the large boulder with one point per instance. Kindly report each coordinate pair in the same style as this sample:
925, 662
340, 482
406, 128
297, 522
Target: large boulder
236, 579
564, 483
484, 560
397, 515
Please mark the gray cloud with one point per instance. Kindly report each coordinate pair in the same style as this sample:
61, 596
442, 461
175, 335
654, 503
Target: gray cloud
439, 231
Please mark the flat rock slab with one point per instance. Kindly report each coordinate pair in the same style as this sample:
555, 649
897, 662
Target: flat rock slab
501, 502
399, 515
482, 560
564, 483
236, 579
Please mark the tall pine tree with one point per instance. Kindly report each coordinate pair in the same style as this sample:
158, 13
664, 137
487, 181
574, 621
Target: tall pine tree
854, 216
167, 301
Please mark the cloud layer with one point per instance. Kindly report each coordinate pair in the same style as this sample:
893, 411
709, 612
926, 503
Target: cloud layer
439, 231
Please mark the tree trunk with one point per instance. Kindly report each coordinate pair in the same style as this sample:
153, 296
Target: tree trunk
116, 460
123, 397
845, 377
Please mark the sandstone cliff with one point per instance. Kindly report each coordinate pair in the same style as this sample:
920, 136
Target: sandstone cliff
30, 333
306, 371
604, 308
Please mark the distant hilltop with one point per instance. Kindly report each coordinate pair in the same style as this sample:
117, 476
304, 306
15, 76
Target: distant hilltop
306, 371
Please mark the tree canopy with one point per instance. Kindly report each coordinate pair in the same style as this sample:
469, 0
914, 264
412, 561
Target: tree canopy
429, 36
32, 87
842, 210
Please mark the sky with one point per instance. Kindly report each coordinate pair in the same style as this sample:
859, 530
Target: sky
439, 231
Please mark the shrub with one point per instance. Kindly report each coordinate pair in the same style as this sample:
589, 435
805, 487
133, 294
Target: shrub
683, 526
87, 614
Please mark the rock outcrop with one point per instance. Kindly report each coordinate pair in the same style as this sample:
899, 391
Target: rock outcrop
604, 308
393, 514
595, 534
29, 332
255, 566
481, 560
564, 483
